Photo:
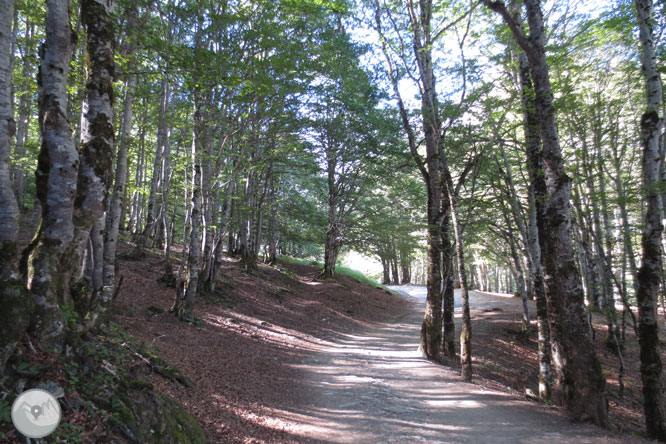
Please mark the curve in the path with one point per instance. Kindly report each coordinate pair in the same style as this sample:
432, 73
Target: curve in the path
375, 387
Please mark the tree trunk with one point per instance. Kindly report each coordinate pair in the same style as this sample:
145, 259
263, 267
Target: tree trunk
334, 234
431, 329
386, 276
580, 383
114, 219
16, 303
405, 265
162, 129
579, 376
96, 151
448, 308
24, 114
56, 176
649, 271
394, 269
186, 312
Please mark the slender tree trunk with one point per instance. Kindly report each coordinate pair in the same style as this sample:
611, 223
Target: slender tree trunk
162, 129
56, 177
186, 313
431, 329
405, 265
649, 271
16, 303
448, 308
165, 181
520, 281
24, 112
114, 219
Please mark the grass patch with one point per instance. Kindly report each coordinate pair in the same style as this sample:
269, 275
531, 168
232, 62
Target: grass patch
339, 270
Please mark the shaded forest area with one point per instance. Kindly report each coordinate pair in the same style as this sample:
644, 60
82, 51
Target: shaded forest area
503, 146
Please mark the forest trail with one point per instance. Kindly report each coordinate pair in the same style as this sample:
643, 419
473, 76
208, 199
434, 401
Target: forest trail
375, 387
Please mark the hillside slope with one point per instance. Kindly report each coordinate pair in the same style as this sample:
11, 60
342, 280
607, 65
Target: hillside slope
242, 351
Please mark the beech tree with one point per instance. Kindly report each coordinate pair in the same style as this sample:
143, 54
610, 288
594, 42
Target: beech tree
56, 180
579, 382
16, 303
455, 150
650, 269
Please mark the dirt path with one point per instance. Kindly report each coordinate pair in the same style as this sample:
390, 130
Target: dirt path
374, 387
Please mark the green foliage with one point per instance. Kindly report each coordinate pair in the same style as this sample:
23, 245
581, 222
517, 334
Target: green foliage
26, 369
66, 432
5, 412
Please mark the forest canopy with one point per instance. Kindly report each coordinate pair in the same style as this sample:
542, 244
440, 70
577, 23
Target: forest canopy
508, 146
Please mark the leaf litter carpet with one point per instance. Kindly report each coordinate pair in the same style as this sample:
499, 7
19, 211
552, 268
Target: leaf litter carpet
280, 357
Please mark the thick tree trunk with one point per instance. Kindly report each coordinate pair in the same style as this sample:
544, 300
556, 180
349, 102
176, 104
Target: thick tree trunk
334, 234
331, 250
580, 383
649, 272
579, 376
394, 270
96, 152
56, 177
431, 329
9, 211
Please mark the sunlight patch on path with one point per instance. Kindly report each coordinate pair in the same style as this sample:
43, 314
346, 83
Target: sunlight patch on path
375, 387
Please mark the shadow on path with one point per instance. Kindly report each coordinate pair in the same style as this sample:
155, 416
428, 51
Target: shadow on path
374, 387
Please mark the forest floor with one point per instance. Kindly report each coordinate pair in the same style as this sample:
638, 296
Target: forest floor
279, 357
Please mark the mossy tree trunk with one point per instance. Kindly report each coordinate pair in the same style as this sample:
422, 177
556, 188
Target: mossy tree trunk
431, 329
536, 197
580, 383
649, 272
55, 179
96, 152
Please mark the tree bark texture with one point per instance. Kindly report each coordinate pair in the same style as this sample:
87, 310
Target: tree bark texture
56, 178
16, 303
649, 272
97, 147
579, 382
